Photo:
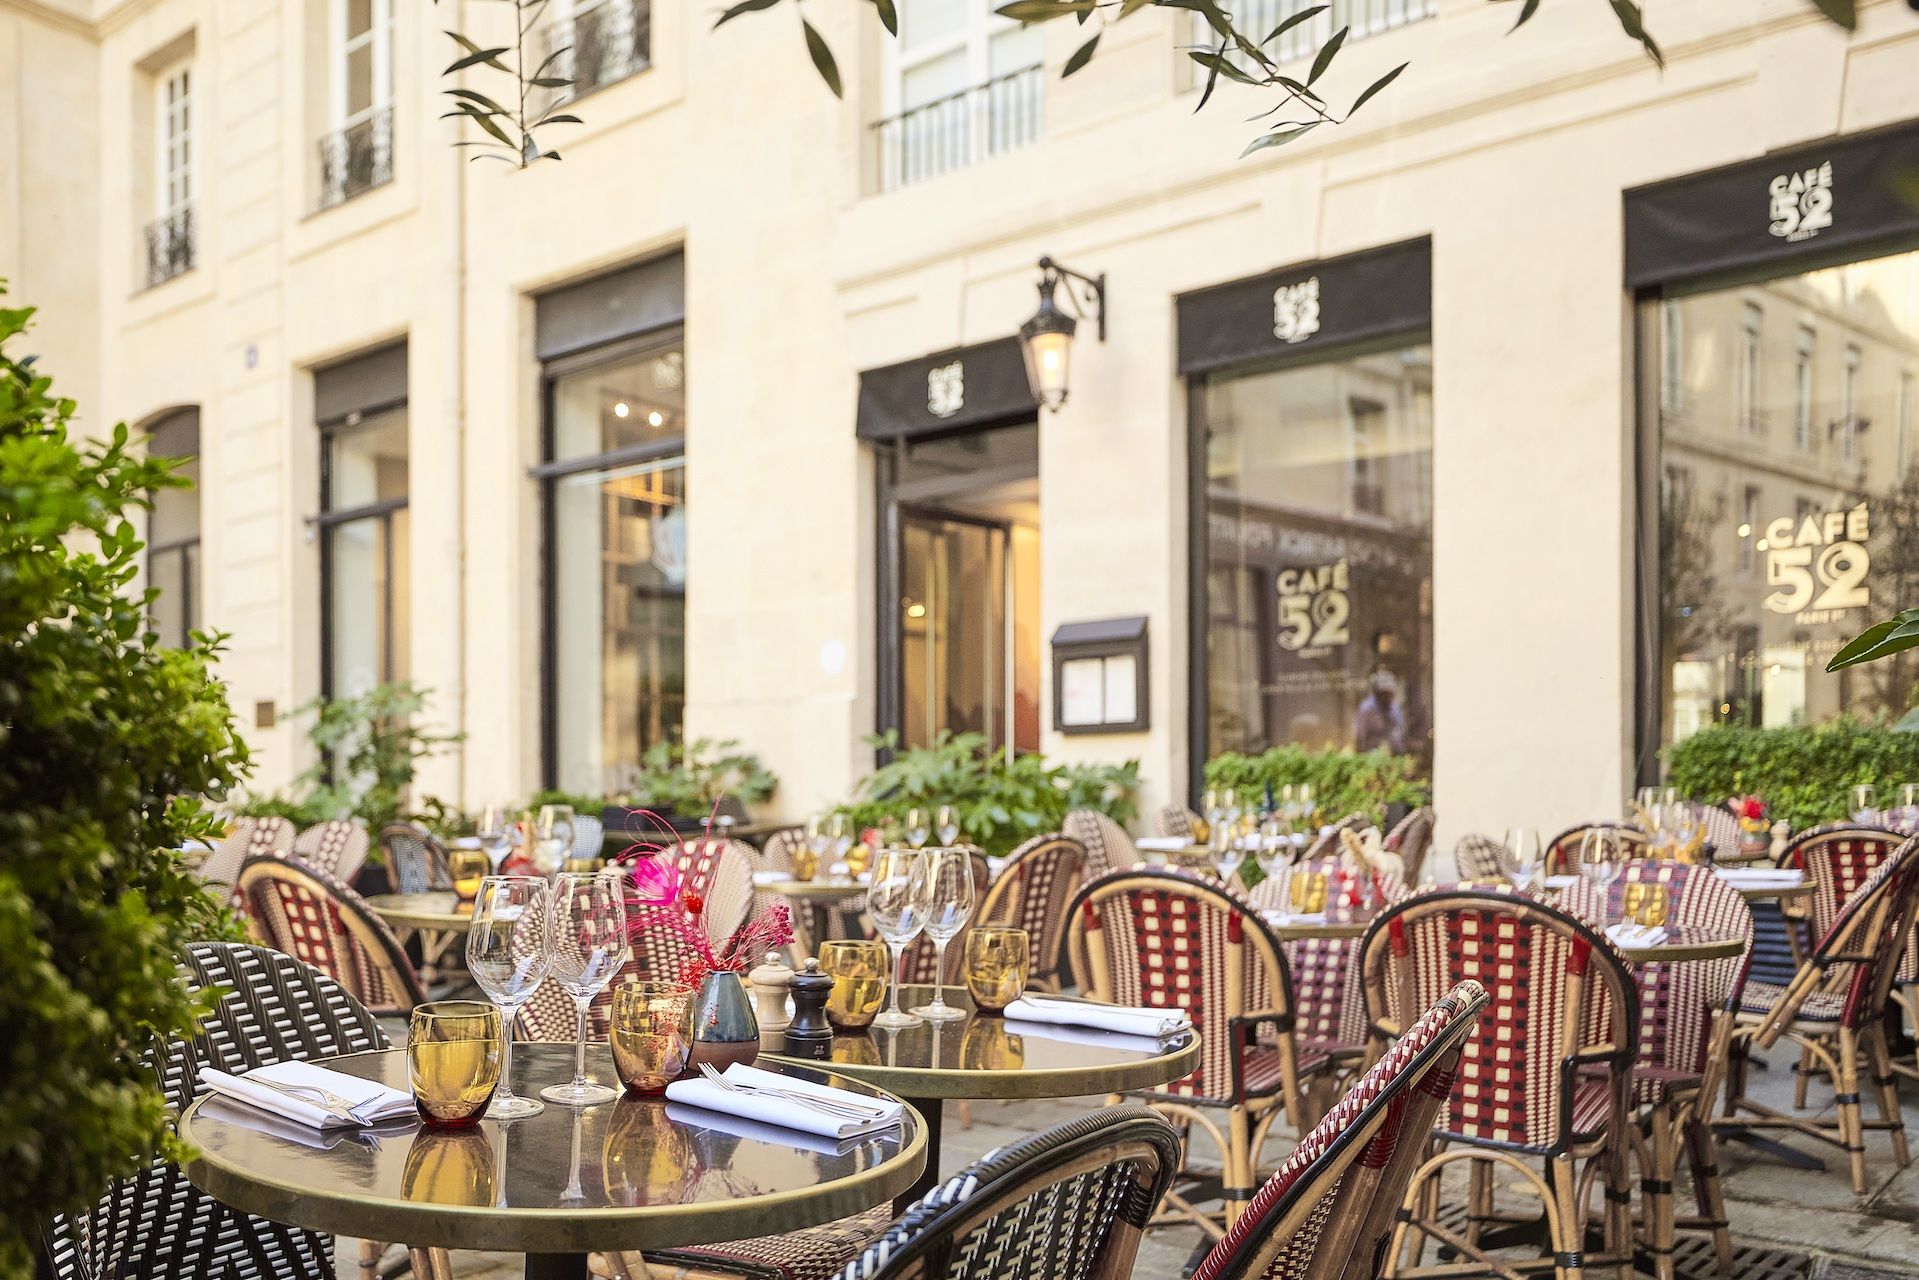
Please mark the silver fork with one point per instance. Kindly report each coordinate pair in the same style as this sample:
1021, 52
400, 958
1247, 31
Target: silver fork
844, 1110
331, 1103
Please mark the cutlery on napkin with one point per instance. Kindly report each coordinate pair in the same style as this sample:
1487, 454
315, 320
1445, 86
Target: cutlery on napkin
1627, 934
1131, 1020
772, 1098
312, 1095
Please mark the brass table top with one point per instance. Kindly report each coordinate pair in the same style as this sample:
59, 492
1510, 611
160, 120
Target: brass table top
1684, 944
988, 1056
1296, 929
440, 910
1782, 892
820, 887
638, 1173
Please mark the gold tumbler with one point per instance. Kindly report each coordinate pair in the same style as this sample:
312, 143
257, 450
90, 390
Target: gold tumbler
651, 1030
453, 1060
998, 965
859, 968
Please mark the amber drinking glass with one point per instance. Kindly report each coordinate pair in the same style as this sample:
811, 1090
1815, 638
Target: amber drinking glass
859, 971
651, 1030
1308, 891
453, 1052
1645, 904
468, 867
449, 1166
998, 963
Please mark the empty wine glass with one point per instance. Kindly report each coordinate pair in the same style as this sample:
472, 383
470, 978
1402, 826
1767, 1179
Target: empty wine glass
1597, 858
897, 901
553, 835
1865, 802
507, 952
916, 828
1306, 803
949, 903
495, 832
1209, 809
1275, 838
947, 827
1523, 844
839, 838
589, 946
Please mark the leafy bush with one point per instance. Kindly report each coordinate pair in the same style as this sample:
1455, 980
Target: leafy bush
686, 779
1805, 774
1343, 781
106, 738
999, 804
579, 801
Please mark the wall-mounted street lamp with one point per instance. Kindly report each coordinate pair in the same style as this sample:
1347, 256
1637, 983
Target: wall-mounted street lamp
1047, 339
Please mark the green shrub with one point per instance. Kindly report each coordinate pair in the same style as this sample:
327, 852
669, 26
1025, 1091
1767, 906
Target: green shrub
1805, 774
1343, 781
106, 738
999, 804
685, 780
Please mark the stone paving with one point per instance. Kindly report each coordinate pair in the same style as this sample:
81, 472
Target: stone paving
1806, 1212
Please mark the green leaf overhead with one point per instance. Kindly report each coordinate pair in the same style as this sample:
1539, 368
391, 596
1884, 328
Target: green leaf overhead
1375, 87
1304, 15
1842, 12
1881, 640
1081, 56
1031, 11
509, 130
1327, 52
822, 58
744, 6
889, 16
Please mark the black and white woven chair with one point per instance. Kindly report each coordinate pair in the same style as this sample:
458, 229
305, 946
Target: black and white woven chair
1178, 821
1327, 842
272, 1008
589, 836
1073, 1201
1481, 858
337, 847
415, 860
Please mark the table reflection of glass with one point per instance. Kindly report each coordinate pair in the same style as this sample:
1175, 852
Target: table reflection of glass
986, 1056
639, 1174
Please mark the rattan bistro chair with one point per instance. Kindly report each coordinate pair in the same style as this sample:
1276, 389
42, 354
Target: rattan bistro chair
842, 917
1832, 1008
1412, 839
337, 846
415, 860
309, 915
1179, 822
1685, 1026
1327, 842
1031, 892
1170, 940
1328, 1213
250, 838
1482, 858
1622, 843
1073, 1201
268, 1008
1108, 847
1544, 1076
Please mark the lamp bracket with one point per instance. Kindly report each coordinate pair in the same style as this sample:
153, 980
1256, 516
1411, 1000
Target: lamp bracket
1085, 295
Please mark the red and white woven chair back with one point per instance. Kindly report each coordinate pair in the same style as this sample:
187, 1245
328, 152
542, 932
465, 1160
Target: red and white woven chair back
313, 917
1031, 892
1329, 1209
1722, 830
920, 963
1170, 940
1837, 859
250, 838
1559, 993
1412, 839
1624, 843
1676, 1001
1108, 847
1325, 971
1177, 821
1482, 858
337, 847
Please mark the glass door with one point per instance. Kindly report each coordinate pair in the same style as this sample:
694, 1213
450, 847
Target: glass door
954, 608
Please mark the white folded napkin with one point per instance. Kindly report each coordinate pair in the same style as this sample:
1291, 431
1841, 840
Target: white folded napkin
370, 1101
1628, 934
1150, 1045
763, 878
697, 1091
1102, 1017
771, 1134
1560, 882
1757, 877
1162, 844
1288, 917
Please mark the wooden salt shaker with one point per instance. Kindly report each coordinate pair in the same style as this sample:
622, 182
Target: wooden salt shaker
810, 1035
770, 981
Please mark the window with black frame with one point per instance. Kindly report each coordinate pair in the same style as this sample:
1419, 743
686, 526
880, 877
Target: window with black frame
173, 530
365, 618
616, 558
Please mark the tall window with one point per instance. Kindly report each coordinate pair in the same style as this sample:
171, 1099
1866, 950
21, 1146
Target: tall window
1802, 392
616, 561
1748, 376
1318, 587
1781, 554
1672, 360
170, 240
365, 617
357, 152
964, 84
173, 530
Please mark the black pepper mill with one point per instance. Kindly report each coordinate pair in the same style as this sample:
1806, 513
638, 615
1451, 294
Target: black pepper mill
810, 1035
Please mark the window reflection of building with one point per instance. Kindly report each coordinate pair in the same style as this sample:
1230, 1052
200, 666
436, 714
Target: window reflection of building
365, 622
1748, 626
173, 530
1319, 534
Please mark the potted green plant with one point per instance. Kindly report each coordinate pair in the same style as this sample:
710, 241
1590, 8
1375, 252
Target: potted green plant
684, 781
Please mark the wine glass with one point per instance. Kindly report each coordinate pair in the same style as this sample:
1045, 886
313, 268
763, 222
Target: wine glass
1865, 802
949, 902
507, 954
839, 838
896, 899
1288, 802
1523, 844
947, 827
916, 828
1596, 859
1210, 810
495, 832
553, 835
589, 946
1306, 803
1274, 835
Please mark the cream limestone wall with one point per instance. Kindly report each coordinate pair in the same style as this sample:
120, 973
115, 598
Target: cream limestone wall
1510, 152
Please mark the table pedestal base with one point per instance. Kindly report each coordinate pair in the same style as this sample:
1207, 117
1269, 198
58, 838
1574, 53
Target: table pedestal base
931, 1110
556, 1266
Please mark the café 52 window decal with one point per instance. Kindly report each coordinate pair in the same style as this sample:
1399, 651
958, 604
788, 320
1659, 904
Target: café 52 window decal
1296, 310
1820, 566
1315, 605
1801, 203
946, 389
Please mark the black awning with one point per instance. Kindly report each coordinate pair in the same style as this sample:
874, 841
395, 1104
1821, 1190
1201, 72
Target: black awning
1784, 209
1332, 302
352, 388
966, 388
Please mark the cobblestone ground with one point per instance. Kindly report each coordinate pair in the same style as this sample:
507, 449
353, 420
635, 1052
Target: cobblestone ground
1789, 1222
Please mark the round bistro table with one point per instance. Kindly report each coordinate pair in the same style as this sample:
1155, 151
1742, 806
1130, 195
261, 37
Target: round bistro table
637, 1173
441, 918
819, 896
1679, 944
988, 1056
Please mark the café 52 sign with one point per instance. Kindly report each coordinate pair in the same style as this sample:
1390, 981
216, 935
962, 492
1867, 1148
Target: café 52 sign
1801, 203
1820, 564
1315, 606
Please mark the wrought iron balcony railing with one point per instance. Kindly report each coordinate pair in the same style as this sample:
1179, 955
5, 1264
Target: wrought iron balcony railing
170, 248
959, 130
1365, 17
357, 158
599, 45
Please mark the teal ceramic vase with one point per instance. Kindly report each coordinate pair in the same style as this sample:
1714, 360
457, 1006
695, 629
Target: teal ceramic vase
724, 1028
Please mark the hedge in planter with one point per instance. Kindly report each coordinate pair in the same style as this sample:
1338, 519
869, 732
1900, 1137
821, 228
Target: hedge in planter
1343, 781
1804, 774
104, 735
